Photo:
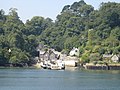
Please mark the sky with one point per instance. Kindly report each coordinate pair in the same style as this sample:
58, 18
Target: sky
45, 8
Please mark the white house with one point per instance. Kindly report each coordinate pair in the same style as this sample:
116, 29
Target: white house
115, 58
111, 57
74, 52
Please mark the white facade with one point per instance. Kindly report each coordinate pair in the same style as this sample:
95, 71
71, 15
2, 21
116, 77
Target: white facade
74, 52
115, 58
70, 63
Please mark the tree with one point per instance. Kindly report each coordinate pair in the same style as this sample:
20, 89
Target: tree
18, 57
94, 57
2, 20
86, 10
37, 25
13, 13
110, 14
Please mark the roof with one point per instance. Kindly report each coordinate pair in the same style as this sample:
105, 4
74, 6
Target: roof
115, 57
42, 52
74, 49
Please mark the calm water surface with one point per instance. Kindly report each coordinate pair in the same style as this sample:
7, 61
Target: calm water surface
36, 79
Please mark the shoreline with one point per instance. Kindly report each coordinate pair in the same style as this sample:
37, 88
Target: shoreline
87, 66
102, 66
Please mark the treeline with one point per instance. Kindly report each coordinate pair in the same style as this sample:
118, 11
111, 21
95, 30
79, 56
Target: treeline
95, 32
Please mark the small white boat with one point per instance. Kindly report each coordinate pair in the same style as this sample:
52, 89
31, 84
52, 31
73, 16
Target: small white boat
56, 65
44, 65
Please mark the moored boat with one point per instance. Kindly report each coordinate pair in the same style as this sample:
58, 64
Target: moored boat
56, 65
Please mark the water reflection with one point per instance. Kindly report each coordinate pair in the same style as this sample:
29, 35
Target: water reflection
103, 71
72, 68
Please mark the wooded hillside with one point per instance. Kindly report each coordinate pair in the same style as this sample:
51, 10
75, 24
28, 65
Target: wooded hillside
95, 32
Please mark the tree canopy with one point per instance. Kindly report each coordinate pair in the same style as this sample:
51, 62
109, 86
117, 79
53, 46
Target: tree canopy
78, 25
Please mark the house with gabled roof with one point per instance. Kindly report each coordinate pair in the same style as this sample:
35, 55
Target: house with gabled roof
47, 55
111, 57
115, 58
74, 52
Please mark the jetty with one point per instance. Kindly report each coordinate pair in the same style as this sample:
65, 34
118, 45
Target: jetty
102, 67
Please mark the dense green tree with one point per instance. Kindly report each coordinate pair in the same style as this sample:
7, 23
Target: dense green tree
17, 56
37, 25
2, 20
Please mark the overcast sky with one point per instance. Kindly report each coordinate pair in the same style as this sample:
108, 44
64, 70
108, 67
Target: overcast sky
45, 8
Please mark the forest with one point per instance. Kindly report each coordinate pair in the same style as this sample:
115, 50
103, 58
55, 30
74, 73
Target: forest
94, 32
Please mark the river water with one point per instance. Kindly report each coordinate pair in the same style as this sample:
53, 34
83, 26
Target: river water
71, 79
